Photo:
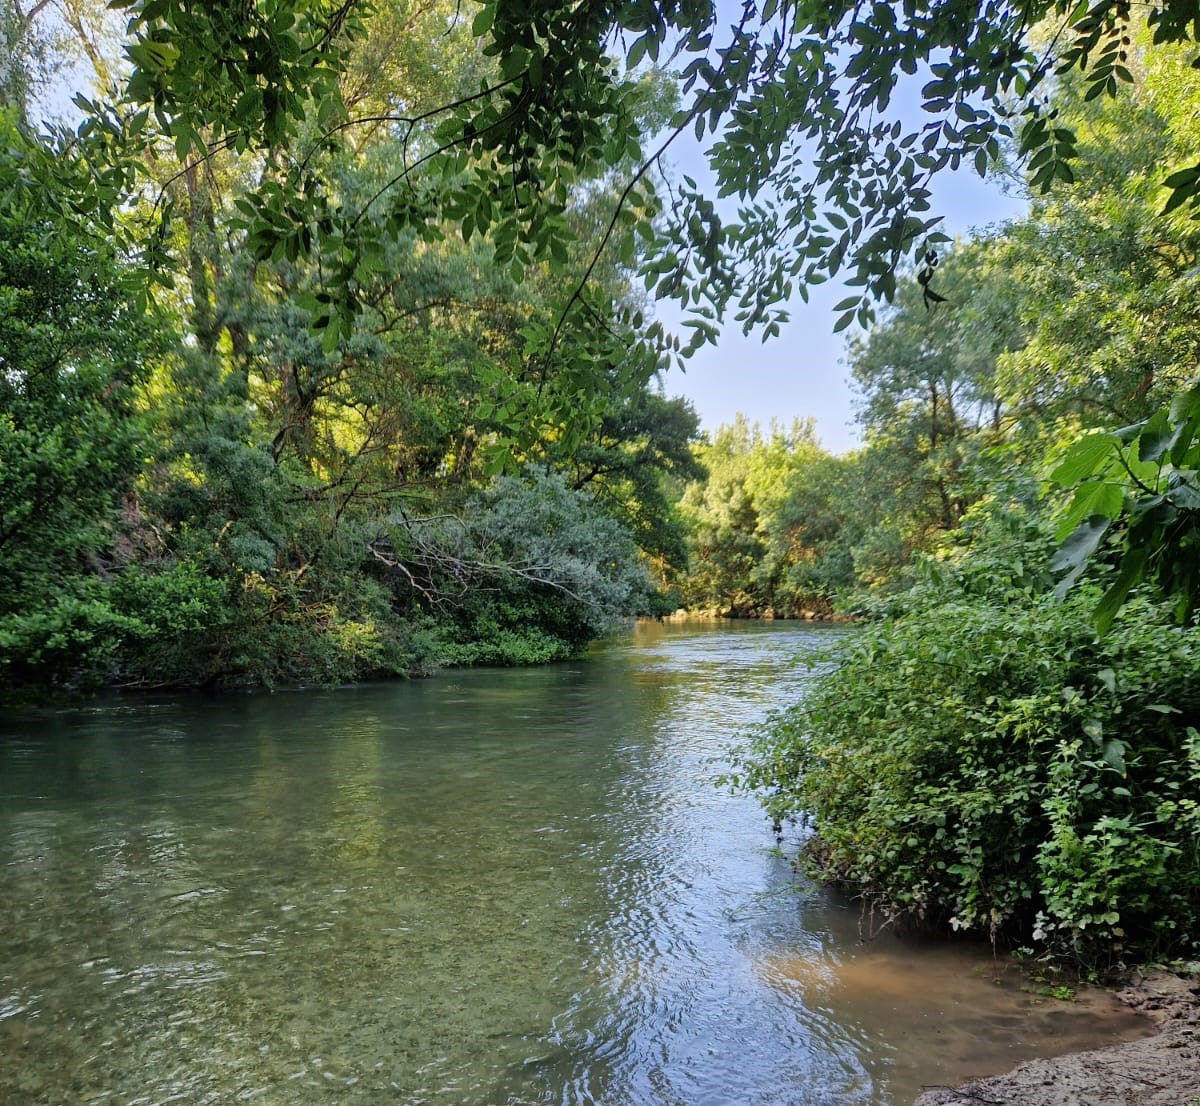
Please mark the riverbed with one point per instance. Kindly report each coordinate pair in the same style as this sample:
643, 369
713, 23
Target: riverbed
489, 888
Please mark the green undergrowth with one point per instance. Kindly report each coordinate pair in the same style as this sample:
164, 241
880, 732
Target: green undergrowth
988, 763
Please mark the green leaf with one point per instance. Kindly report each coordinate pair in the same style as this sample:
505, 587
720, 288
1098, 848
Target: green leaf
484, 18
1186, 405
1183, 177
329, 339
1075, 553
637, 51
1093, 499
1083, 458
1113, 754
1133, 569
1177, 199
1155, 438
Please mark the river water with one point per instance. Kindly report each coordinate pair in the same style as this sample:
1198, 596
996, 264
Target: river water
491, 888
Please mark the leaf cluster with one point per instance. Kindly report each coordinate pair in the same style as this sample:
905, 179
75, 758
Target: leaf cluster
1136, 497
988, 764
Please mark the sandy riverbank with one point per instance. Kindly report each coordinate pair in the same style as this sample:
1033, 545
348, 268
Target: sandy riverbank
1162, 1070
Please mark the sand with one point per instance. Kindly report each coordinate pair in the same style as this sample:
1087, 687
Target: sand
1163, 1070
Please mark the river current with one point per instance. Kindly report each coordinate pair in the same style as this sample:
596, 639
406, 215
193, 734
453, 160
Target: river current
490, 888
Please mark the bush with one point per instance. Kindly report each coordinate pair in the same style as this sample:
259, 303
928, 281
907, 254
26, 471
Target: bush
989, 764
532, 572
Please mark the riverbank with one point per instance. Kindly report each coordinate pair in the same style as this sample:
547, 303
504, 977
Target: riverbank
1162, 1070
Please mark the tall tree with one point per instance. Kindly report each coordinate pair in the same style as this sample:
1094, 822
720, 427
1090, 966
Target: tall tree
829, 174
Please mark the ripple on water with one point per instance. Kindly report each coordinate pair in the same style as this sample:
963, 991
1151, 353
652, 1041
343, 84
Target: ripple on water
494, 888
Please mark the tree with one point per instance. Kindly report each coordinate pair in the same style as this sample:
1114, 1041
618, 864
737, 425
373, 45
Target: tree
759, 522
42, 41
803, 99
725, 546
1098, 278
635, 461
72, 358
532, 571
242, 536
928, 389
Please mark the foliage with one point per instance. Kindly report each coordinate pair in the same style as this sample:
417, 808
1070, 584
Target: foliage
983, 758
245, 551
799, 94
1075, 316
1137, 489
72, 357
803, 98
532, 572
634, 461
988, 763
765, 526
359, 211
323, 357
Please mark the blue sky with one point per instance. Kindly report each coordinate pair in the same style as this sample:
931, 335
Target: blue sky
801, 373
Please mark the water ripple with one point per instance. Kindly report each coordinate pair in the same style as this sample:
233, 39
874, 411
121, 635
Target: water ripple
514, 888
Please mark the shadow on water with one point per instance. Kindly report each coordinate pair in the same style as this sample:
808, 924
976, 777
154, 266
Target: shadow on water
493, 887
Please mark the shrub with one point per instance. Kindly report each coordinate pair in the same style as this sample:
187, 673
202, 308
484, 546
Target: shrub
532, 572
991, 765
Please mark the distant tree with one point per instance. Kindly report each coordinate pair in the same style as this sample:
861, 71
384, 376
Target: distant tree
760, 531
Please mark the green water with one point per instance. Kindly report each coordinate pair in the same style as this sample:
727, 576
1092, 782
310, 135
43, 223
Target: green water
488, 888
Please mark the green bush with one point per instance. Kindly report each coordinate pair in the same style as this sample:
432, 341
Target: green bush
485, 641
286, 628
72, 639
989, 764
532, 572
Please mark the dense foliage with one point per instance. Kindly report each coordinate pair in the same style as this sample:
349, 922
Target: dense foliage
763, 523
824, 170
202, 483
987, 762
1076, 319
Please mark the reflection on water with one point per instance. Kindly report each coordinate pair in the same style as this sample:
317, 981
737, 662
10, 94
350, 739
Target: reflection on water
494, 887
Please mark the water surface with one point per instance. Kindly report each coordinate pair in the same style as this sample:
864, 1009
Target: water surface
492, 888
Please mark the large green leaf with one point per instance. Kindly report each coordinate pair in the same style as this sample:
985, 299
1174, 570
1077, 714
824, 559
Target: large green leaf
1084, 457
1075, 553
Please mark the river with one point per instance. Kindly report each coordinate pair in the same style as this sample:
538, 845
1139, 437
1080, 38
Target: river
490, 888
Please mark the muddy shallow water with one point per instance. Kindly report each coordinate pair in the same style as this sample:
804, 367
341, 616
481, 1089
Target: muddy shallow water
493, 887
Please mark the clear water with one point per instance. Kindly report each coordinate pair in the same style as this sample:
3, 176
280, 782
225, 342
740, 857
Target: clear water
489, 888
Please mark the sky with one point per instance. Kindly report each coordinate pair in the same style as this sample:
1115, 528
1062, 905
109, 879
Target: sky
802, 373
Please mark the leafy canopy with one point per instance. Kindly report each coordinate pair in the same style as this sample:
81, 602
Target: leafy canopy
803, 101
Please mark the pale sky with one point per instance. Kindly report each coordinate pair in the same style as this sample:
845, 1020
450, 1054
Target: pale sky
801, 373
